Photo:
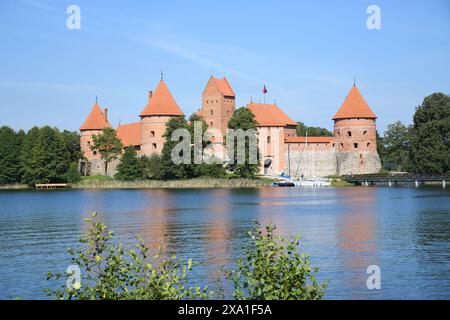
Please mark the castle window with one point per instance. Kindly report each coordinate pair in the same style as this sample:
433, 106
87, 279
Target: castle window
212, 112
211, 124
333, 145
342, 145
154, 145
365, 132
152, 133
89, 143
268, 139
355, 145
95, 153
338, 133
349, 133
368, 144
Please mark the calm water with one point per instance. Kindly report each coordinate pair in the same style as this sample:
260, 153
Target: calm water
405, 231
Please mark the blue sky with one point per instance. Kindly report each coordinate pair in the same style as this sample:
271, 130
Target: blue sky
306, 52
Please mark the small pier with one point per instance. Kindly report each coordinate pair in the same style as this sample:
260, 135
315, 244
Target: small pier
396, 179
52, 185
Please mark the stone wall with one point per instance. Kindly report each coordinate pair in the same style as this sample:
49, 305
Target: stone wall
325, 163
358, 162
97, 167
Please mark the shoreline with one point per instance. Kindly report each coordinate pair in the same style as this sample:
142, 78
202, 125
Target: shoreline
198, 183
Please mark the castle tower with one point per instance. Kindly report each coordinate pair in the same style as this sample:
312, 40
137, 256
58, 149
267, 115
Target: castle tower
160, 108
355, 136
96, 121
218, 104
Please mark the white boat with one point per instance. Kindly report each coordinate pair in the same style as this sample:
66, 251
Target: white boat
313, 183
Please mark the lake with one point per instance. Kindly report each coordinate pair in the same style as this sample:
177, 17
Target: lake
404, 231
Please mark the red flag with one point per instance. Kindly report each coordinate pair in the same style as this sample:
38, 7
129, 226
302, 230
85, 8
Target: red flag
264, 89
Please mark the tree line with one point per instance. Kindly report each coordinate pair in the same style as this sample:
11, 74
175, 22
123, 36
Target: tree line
422, 147
41, 155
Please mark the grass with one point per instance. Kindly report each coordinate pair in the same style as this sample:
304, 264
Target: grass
199, 183
341, 183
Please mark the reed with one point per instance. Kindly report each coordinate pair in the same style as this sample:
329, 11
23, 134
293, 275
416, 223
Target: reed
13, 186
199, 183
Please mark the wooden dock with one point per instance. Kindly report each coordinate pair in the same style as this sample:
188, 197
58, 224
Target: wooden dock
52, 185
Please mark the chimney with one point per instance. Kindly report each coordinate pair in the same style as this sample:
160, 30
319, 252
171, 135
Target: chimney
106, 114
150, 94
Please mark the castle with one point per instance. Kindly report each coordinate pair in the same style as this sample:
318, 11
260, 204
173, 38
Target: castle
352, 149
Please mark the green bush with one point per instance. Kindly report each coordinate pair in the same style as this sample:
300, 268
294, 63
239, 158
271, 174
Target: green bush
274, 270
109, 272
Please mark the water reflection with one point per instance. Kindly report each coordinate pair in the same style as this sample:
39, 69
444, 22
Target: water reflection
356, 238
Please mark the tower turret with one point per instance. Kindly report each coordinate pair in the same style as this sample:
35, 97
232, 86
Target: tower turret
160, 108
95, 122
355, 136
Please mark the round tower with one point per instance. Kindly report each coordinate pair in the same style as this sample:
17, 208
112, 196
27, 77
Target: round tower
96, 121
355, 135
161, 107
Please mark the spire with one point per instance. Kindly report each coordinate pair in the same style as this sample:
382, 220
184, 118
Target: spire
96, 120
161, 103
354, 106
162, 74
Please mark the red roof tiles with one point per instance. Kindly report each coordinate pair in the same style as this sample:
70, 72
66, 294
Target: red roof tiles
224, 86
130, 134
161, 103
270, 115
96, 120
354, 106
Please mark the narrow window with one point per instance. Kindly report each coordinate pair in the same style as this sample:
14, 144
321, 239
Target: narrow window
154, 145
349, 133
212, 112
342, 145
355, 145
268, 139
211, 124
368, 144
333, 145
365, 132
152, 134
95, 153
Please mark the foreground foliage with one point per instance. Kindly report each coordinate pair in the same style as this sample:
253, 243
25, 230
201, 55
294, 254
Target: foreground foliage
110, 272
272, 269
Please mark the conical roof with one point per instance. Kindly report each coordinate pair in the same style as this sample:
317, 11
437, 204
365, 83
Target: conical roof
354, 106
96, 120
161, 103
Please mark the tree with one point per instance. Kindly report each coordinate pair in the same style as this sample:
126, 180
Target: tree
312, 131
243, 119
397, 146
430, 136
151, 166
108, 144
9, 156
129, 168
72, 142
170, 170
73, 174
44, 156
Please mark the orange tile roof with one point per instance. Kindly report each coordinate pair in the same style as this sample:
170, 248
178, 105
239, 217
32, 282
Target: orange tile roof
270, 115
310, 139
224, 86
130, 134
354, 106
161, 103
96, 120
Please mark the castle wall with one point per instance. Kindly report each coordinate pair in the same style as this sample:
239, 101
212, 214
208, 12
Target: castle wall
271, 146
85, 144
97, 167
358, 162
308, 162
152, 130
